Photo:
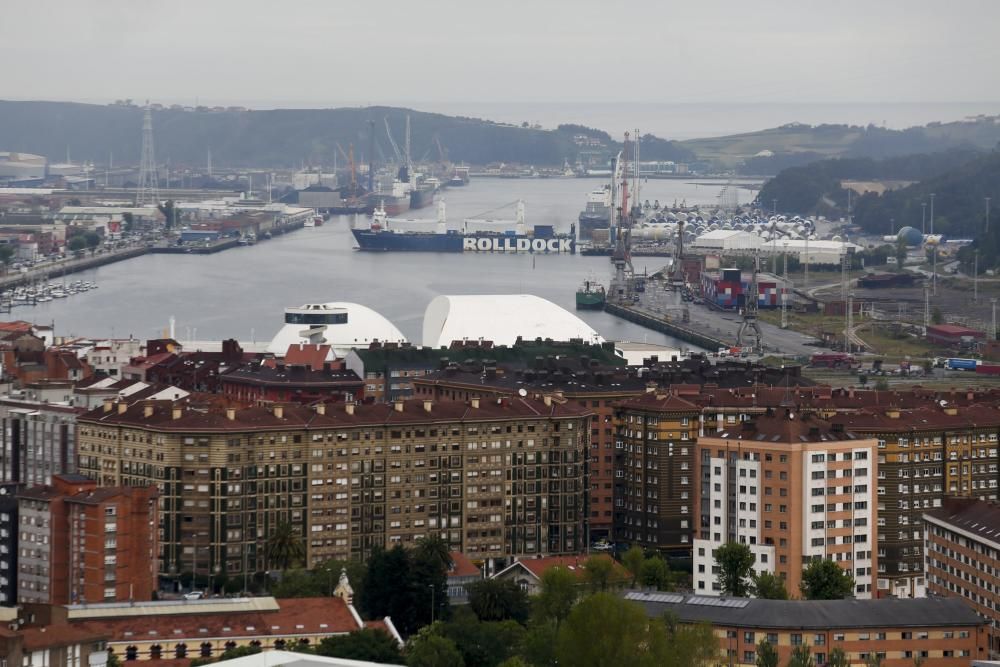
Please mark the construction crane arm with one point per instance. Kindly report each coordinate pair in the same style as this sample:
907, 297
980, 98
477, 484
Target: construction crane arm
392, 142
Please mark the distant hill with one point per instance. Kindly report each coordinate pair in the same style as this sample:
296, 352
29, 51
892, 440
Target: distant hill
959, 205
283, 137
815, 188
768, 151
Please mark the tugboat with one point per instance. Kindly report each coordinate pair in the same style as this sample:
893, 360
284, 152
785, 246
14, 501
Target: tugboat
590, 296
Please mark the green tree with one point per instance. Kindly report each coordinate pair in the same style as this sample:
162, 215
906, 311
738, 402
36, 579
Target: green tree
633, 561
881, 384
690, 644
498, 600
370, 644
801, 657
432, 650
482, 644
655, 573
598, 572
559, 590
93, 239
76, 243
170, 214
539, 644
873, 660
838, 658
7, 252
936, 316
735, 563
605, 629
284, 547
823, 579
516, 661
113, 660
429, 563
388, 589
901, 251
766, 655
769, 586
128, 222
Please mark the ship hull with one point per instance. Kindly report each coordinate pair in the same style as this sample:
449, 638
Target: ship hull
421, 197
380, 241
393, 205
589, 301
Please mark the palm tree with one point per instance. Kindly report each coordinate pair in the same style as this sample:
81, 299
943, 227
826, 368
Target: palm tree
434, 546
285, 547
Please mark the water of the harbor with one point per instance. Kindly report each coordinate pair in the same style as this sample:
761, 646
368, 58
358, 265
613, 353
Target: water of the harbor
240, 293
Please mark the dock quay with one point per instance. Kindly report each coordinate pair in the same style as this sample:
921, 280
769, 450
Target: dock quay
667, 326
69, 266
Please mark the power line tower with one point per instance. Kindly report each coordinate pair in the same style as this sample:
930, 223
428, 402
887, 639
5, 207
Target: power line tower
927, 306
148, 192
749, 325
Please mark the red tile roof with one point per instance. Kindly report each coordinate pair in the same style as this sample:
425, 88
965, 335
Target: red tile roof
52, 636
461, 566
575, 564
298, 617
297, 416
310, 355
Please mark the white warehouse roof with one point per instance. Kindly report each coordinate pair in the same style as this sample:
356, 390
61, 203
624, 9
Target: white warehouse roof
290, 659
501, 318
728, 239
341, 324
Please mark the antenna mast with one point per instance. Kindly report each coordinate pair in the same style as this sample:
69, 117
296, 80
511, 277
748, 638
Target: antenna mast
148, 191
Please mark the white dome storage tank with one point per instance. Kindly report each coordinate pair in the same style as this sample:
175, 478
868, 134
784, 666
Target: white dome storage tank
500, 318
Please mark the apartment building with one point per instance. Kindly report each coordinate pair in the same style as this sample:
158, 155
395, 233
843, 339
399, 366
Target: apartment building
596, 391
8, 544
655, 447
37, 440
931, 632
925, 455
495, 478
78, 542
39, 636
962, 557
792, 487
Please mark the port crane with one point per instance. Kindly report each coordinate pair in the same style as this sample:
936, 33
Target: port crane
623, 283
349, 156
392, 142
749, 326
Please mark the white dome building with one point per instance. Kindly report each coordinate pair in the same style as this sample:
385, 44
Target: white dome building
340, 324
501, 318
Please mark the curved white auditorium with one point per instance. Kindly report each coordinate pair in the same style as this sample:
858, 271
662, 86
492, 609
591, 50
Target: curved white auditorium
340, 324
500, 318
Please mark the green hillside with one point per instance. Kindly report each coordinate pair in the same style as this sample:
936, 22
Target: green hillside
796, 144
281, 137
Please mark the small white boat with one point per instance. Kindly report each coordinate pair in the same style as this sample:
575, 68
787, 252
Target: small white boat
58, 294
44, 299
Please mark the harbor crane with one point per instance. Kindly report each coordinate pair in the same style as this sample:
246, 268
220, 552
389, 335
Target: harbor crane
749, 326
392, 142
349, 156
623, 283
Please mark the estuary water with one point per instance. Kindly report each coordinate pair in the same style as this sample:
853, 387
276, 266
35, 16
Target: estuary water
241, 293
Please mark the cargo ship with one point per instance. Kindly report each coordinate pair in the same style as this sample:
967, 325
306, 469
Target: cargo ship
393, 196
385, 234
422, 195
597, 213
590, 296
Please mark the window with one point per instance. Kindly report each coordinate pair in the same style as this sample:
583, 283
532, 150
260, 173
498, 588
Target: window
796, 639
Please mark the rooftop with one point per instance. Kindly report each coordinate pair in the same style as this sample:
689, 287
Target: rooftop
302, 617
978, 517
787, 426
810, 614
165, 416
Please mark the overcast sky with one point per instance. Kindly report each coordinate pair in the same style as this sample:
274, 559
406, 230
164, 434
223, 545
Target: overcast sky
331, 53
